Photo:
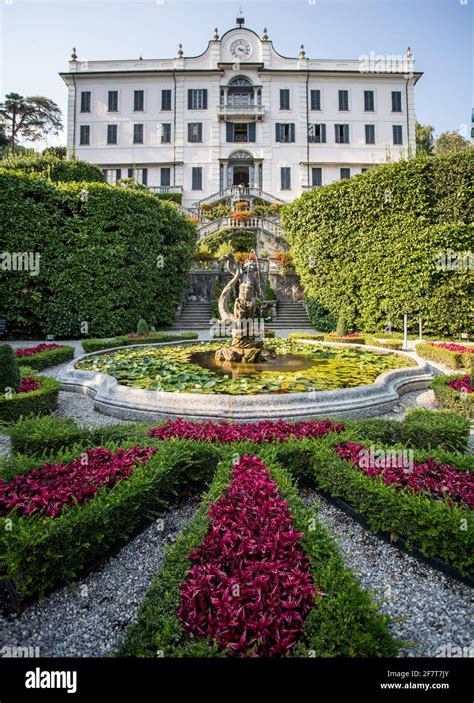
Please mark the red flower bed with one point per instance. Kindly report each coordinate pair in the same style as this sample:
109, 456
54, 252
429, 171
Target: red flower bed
453, 347
265, 431
28, 384
250, 587
349, 335
31, 351
430, 475
462, 384
54, 486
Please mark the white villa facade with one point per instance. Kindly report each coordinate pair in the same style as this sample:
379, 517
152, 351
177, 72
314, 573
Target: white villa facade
239, 114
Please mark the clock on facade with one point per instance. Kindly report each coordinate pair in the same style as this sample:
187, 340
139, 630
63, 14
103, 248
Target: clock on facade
240, 49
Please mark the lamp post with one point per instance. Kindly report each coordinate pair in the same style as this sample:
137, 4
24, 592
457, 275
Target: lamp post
405, 332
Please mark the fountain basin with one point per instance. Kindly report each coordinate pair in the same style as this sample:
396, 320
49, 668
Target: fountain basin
124, 402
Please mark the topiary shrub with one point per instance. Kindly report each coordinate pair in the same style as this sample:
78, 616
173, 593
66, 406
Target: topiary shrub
421, 210
108, 256
9, 370
142, 327
269, 293
54, 168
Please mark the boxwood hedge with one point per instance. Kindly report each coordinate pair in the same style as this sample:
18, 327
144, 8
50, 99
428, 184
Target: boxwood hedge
39, 402
108, 257
93, 345
451, 399
49, 357
451, 359
372, 243
54, 168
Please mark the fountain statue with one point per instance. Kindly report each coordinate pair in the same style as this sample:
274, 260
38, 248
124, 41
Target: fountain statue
247, 333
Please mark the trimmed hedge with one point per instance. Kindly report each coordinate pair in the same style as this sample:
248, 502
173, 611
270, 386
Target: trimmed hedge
432, 526
343, 339
49, 357
451, 399
452, 359
241, 240
421, 429
306, 335
39, 402
39, 553
345, 622
421, 207
109, 256
319, 316
93, 345
54, 168
395, 344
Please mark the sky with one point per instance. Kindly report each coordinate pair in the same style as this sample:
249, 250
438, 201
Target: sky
36, 39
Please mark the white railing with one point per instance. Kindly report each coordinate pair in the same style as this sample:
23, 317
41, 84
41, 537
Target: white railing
230, 109
237, 192
262, 223
165, 189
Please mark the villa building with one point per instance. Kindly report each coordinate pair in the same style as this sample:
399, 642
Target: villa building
240, 114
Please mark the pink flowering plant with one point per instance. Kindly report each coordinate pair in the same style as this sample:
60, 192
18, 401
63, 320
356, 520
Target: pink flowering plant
429, 476
259, 432
49, 489
249, 588
32, 351
451, 346
462, 384
28, 384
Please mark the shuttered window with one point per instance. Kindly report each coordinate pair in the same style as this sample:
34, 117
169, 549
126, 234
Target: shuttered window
138, 134
197, 178
396, 101
341, 133
166, 99
85, 101
343, 100
369, 103
112, 134
317, 176
165, 176
397, 134
166, 132
284, 99
197, 99
345, 173
315, 99
194, 132
317, 133
138, 100
285, 132
285, 175
113, 101
85, 135
370, 134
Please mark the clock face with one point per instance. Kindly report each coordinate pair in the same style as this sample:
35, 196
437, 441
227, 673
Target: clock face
241, 49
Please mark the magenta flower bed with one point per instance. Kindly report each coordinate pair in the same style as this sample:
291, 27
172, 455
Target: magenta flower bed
265, 431
453, 347
349, 335
31, 351
250, 587
462, 384
28, 384
54, 486
430, 476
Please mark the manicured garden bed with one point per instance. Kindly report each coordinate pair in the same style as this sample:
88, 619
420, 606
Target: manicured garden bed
227, 604
38, 395
351, 338
455, 393
455, 356
41, 356
93, 345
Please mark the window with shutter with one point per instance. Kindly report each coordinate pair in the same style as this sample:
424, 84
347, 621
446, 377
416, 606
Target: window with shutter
229, 131
397, 134
317, 176
370, 134
197, 99
315, 99
112, 134
197, 178
85, 101
343, 100
166, 132
284, 99
130, 172
113, 101
166, 99
195, 132
369, 104
84, 135
396, 101
317, 133
118, 174
138, 100
285, 172
342, 133
144, 176
165, 176
252, 132
345, 173
138, 134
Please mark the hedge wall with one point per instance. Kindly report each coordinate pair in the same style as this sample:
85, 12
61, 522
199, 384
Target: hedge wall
55, 169
109, 256
370, 243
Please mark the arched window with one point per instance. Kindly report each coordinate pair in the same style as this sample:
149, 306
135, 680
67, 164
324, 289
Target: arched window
240, 82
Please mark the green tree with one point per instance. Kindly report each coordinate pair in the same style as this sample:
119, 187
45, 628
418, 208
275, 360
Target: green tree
58, 151
424, 138
450, 143
30, 118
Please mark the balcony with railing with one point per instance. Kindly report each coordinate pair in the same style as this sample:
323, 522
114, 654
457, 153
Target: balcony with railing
232, 110
165, 189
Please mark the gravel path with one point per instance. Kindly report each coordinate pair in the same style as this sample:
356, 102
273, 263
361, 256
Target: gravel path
427, 608
88, 618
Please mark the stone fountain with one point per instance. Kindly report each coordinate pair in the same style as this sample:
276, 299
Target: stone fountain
246, 330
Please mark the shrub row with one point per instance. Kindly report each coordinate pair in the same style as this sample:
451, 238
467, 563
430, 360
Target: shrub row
433, 526
451, 359
38, 402
108, 257
94, 345
423, 207
451, 399
306, 335
421, 429
55, 169
344, 622
344, 339
38, 553
49, 357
